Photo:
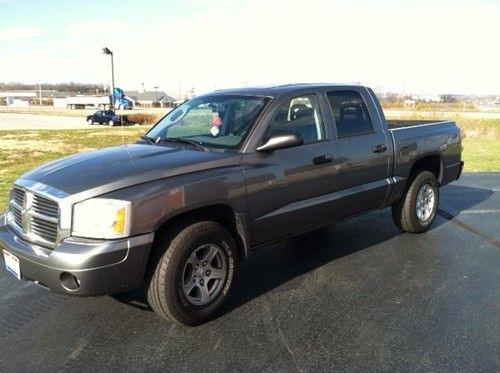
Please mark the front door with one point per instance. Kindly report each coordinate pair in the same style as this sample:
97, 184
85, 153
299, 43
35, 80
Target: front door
286, 187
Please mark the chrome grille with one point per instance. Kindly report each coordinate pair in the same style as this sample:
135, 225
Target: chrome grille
34, 216
17, 216
18, 196
44, 228
17, 202
45, 206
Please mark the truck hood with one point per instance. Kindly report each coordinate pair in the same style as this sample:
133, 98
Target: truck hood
101, 171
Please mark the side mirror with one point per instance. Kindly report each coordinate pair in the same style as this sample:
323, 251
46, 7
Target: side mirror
280, 141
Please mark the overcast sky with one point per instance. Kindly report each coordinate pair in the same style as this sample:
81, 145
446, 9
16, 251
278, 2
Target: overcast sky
424, 46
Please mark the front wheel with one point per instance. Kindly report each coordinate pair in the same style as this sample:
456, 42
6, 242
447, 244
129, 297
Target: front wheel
111, 123
416, 210
90, 121
193, 277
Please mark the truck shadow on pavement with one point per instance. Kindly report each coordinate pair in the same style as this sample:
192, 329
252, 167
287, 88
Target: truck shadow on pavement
274, 265
456, 198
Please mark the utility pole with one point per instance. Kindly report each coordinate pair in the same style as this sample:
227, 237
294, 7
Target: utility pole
106, 50
156, 95
40, 91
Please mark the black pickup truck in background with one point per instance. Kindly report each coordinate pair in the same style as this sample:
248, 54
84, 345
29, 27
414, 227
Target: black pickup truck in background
108, 117
219, 176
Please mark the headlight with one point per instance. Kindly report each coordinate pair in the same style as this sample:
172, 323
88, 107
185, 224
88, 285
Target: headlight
101, 218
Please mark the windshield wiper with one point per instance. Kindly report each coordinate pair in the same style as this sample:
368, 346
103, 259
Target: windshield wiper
184, 140
148, 139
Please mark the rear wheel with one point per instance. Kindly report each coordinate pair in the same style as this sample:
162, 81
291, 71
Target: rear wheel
416, 210
111, 123
194, 275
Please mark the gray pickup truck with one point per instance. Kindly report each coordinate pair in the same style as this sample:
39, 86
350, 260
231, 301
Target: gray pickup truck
224, 173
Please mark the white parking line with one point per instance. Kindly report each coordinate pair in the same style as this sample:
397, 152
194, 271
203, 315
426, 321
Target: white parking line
486, 211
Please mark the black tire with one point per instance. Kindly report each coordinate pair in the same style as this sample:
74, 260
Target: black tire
111, 123
90, 121
165, 291
404, 212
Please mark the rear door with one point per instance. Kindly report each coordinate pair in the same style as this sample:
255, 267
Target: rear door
364, 151
286, 187
108, 115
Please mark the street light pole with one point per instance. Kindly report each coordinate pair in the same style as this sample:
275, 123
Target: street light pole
40, 91
106, 50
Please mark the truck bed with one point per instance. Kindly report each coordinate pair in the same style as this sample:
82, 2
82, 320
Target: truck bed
411, 139
402, 123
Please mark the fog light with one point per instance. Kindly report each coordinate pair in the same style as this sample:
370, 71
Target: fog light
69, 282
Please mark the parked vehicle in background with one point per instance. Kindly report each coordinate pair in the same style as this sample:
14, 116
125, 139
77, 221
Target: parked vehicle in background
220, 175
108, 117
101, 102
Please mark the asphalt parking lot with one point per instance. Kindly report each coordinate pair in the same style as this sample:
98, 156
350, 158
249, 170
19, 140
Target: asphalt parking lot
358, 296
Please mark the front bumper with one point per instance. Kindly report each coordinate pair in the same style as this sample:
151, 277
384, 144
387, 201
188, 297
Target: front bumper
98, 266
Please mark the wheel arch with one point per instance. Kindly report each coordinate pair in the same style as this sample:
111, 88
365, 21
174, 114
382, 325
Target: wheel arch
430, 162
223, 214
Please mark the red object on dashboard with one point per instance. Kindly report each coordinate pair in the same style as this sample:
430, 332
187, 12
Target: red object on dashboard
217, 121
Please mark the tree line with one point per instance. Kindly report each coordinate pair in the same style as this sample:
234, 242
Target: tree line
71, 87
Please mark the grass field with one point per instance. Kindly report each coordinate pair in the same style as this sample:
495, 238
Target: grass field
481, 154
21, 151
472, 126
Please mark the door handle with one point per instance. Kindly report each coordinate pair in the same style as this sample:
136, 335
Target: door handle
325, 158
379, 148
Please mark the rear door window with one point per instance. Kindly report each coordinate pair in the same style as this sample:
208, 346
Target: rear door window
300, 115
350, 113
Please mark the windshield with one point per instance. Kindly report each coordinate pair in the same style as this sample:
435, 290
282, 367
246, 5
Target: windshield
215, 121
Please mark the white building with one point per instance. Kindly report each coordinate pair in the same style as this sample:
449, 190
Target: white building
18, 98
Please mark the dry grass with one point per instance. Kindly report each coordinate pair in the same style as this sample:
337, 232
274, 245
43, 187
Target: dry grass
436, 106
477, 125
144, 118
21, 151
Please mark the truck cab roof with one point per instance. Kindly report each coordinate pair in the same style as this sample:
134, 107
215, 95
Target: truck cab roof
278, 90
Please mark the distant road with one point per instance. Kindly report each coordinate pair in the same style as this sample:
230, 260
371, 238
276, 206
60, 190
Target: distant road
10, 121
